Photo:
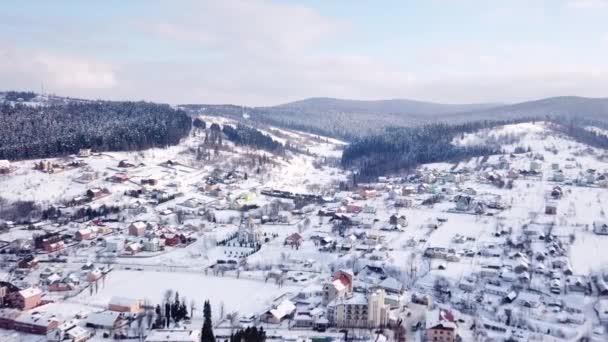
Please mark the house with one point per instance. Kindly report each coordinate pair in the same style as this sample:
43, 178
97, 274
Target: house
501, 291
403, 202
408, 190
393, 220
601, 307
28, 262
391, 286
125, 164
578, 284
42, 240
120, 177
122, 304
68, 331
441, 326
558, 176
274, 316
171, 240
84, 152
353, 208
137, 228
600, 227
340, 285
110, 320
7, 318
39, 323
153, 245
114, 244
85, 234
402, 221
464, 202
303, 321
368, 193
149, 181
357, 311
25, 299
94, 275
294, 240
535, 166
557, 192
600, 283
96, 193
174, 335
54, 247
5, 167
133, 247
528, 299
58, 286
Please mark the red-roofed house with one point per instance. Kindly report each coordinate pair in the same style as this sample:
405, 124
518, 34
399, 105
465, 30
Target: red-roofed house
441, 326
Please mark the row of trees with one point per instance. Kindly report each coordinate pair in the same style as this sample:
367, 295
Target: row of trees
249, 136
174, 310
56, 130
579, 130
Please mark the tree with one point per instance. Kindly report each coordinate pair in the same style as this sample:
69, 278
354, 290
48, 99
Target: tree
250, 334
207, 330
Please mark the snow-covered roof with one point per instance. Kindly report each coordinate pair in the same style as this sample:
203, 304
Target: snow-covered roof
284, 309
36, 318
355, 299
78, 333
103, 319
440, 318
139, 225
30, 292
338, 285
391, 284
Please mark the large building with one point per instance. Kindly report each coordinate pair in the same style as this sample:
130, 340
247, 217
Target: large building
357, 310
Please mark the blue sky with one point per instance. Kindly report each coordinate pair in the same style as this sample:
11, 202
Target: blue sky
263, 52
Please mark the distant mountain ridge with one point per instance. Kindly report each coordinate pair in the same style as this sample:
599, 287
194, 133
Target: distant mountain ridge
350, 119
391, 106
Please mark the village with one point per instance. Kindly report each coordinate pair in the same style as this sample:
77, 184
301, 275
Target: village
129, 245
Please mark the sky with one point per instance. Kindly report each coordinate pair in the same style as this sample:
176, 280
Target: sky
267, 52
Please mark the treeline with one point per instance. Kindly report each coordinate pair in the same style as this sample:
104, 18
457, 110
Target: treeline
57, 130
580, 131
249, 334
19, 95
402, 149
248, 136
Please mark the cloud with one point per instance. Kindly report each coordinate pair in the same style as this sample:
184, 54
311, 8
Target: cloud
255, 26
30, 68
258, 52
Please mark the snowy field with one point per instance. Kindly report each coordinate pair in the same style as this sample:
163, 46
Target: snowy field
242, 295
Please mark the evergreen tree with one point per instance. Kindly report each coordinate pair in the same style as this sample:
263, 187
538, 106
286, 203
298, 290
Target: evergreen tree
207, 330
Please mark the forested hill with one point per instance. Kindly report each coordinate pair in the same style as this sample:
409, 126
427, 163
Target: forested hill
402, 149
56, 130
349, 119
